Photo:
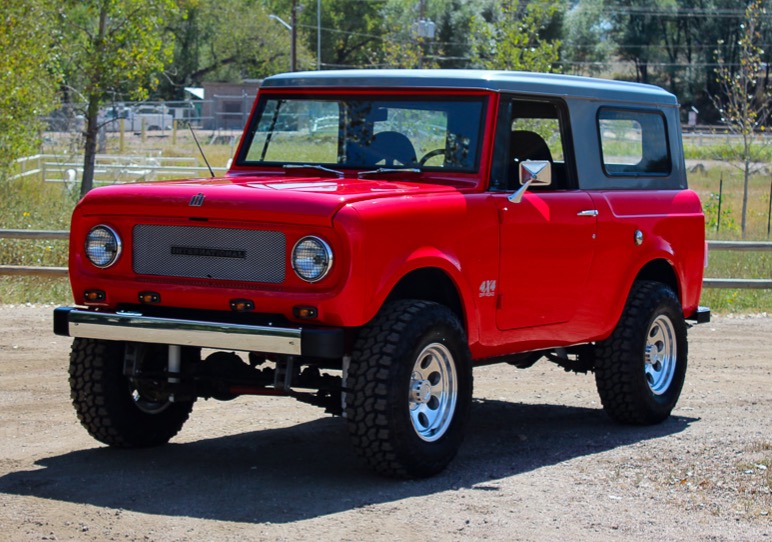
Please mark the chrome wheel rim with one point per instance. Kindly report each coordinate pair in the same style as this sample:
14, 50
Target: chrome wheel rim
433, 392
661, 355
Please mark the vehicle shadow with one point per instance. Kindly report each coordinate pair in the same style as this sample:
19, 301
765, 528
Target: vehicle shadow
309, 470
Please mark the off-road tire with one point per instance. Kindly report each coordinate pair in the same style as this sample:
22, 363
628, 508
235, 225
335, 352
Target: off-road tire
384, 383
104, 401
632, 389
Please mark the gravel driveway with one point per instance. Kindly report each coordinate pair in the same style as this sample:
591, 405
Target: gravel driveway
541, 461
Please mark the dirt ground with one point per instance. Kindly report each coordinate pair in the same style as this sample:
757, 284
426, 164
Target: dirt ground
541, 461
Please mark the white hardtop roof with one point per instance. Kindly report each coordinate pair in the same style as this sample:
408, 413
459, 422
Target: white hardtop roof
522, 82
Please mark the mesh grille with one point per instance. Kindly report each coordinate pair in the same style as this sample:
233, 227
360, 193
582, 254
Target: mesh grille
210, 253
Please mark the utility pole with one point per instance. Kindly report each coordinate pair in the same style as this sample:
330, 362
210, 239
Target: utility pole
291, 29
294, 30
318, 34
423, 29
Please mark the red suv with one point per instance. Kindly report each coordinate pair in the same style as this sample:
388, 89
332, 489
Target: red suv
380, 234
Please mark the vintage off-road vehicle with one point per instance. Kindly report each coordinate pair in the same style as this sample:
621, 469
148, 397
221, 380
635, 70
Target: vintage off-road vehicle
379, 234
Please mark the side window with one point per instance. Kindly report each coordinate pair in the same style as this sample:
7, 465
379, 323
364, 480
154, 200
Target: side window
548, 129
633, 143
529, 130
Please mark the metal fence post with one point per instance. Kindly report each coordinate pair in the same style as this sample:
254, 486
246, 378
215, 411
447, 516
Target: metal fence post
720, 199
121, 139
769, 210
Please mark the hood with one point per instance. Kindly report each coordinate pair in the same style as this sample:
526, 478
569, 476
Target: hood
274, 198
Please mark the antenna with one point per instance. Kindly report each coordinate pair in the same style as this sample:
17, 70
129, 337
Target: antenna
201, 150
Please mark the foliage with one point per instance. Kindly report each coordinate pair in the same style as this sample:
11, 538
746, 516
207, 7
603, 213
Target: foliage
637, 30
516, 38
666, 42
227, 40
455, 23
29, 203
726, 152
733, 264
27, 87
744, 100
588, 44
111, 48
351, 31
714, 221
403, 45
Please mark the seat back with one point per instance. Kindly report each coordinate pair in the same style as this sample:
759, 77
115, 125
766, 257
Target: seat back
526, 145
394, 148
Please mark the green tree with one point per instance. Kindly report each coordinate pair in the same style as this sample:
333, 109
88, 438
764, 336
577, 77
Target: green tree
350, 31
588, 46
522, 36
745, 98
406, 43
227, 40
407, 28
111, 48
669, 42
637, 33
28, 76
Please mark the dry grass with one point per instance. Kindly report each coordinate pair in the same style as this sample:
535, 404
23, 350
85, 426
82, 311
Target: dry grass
32, 204
723, 264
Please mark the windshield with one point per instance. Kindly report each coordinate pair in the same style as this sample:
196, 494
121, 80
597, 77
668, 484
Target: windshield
366, 132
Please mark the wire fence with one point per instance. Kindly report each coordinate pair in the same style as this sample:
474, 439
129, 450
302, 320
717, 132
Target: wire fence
110, 168
221, 112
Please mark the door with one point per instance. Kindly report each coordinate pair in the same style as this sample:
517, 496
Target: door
546, 250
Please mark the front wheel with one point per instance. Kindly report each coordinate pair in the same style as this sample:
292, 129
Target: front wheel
409, 389
640, 369
117, 410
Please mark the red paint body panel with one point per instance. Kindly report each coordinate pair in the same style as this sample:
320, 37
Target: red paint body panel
538, 274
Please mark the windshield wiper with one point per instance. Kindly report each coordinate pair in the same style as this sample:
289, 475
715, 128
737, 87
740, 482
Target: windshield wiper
388, 170
313, 166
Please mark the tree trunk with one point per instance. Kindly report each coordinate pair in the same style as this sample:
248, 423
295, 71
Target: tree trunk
747, 142
92, 117
746, 179
89, 154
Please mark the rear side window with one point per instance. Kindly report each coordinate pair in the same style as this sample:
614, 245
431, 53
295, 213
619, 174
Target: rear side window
633, 143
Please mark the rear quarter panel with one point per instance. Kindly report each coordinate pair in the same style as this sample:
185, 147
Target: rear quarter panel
672, 224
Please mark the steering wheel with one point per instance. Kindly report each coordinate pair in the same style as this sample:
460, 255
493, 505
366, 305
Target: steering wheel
431, 154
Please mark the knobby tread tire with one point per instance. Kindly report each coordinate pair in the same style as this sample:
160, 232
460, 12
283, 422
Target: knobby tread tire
377, 385
101, 395
619, 360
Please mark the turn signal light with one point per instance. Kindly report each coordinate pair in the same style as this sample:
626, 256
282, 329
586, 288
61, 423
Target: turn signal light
305, 312
149, 298
93, 296
242, 305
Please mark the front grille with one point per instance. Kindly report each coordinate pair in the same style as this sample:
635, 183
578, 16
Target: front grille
210, 253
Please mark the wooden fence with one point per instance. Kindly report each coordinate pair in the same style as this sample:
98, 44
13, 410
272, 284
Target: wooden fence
741, 246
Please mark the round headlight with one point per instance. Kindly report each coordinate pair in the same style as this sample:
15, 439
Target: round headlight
103, 246
311, 259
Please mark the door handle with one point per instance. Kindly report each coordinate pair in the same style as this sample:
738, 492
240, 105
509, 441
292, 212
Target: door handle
588, 212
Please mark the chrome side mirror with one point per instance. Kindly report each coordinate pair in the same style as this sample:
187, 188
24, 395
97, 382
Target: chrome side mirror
532, 172
538, 172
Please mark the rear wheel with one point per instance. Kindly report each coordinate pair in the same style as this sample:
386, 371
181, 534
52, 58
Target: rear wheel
640, 369
117, 410
409, 389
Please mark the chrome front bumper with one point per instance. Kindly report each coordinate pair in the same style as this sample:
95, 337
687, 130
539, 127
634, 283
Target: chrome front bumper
135, 327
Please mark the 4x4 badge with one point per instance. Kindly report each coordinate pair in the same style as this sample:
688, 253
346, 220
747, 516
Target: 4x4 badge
197, 200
